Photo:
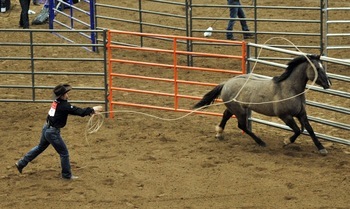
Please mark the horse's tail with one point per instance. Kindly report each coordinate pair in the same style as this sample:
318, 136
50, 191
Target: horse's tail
210, 97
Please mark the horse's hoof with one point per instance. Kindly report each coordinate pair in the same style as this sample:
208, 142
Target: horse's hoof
323, 151
286, 142
262, 144
219, 133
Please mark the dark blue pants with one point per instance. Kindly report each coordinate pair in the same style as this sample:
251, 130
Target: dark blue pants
50, 135
24, 19
234, 12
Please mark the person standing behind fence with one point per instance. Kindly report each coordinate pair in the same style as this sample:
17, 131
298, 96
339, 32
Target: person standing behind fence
235, 11
24, 19
50, 134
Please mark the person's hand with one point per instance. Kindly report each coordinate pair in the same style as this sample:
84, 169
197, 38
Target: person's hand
97, 109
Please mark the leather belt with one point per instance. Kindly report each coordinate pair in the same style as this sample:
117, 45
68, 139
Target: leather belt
50, 126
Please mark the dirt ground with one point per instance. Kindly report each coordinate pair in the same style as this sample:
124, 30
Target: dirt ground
135, 161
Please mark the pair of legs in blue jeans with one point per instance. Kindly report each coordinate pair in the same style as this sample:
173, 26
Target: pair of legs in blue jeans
49, 135
234, 12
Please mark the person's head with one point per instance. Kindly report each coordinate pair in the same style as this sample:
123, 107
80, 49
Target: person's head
61, 91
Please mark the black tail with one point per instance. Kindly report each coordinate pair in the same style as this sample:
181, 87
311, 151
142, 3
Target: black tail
209, 97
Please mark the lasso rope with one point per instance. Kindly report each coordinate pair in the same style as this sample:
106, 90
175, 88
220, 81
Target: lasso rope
96, 120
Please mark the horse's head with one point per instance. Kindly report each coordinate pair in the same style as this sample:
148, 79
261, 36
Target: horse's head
322, 78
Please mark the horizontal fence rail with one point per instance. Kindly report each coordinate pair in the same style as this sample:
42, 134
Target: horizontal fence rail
41, 60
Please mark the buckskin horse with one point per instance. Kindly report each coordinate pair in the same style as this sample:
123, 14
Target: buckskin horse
282, 96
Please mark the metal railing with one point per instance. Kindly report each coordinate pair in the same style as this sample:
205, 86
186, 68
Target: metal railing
167, 79
33, 66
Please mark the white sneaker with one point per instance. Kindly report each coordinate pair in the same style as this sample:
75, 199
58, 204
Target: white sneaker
74, 177
31, 12
71, 178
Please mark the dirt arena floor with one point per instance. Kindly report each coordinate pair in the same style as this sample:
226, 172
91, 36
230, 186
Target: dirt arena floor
135, 161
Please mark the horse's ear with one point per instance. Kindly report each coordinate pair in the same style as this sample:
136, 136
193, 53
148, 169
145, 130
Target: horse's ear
313, 56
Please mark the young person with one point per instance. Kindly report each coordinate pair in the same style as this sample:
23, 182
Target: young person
51, 135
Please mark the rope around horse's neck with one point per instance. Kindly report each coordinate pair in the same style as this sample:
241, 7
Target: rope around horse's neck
96, 120
280, 100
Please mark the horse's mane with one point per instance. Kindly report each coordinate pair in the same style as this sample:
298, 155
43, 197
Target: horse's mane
291, 66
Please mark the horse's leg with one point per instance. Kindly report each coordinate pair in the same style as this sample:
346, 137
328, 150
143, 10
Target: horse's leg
220, 128
242, 124
302, 125
305, 122
289, 121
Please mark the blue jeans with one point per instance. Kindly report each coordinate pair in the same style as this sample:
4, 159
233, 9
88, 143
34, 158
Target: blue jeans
50, 135
24, 19
234, 12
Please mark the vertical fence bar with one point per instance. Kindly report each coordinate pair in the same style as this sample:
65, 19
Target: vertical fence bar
248, 70
92, 25
190, 48
110, 81
322, 6
188, 11
244, 57
32, 63
176, 99
256, 26
140, 21
71, 11
105, 70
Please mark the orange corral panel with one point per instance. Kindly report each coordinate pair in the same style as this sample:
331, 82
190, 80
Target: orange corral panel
167, 72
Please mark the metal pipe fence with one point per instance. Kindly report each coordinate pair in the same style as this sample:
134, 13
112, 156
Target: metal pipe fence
312, 21
33, 66
186, 18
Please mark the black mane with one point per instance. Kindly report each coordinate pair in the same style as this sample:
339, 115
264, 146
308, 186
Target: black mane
293, 64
